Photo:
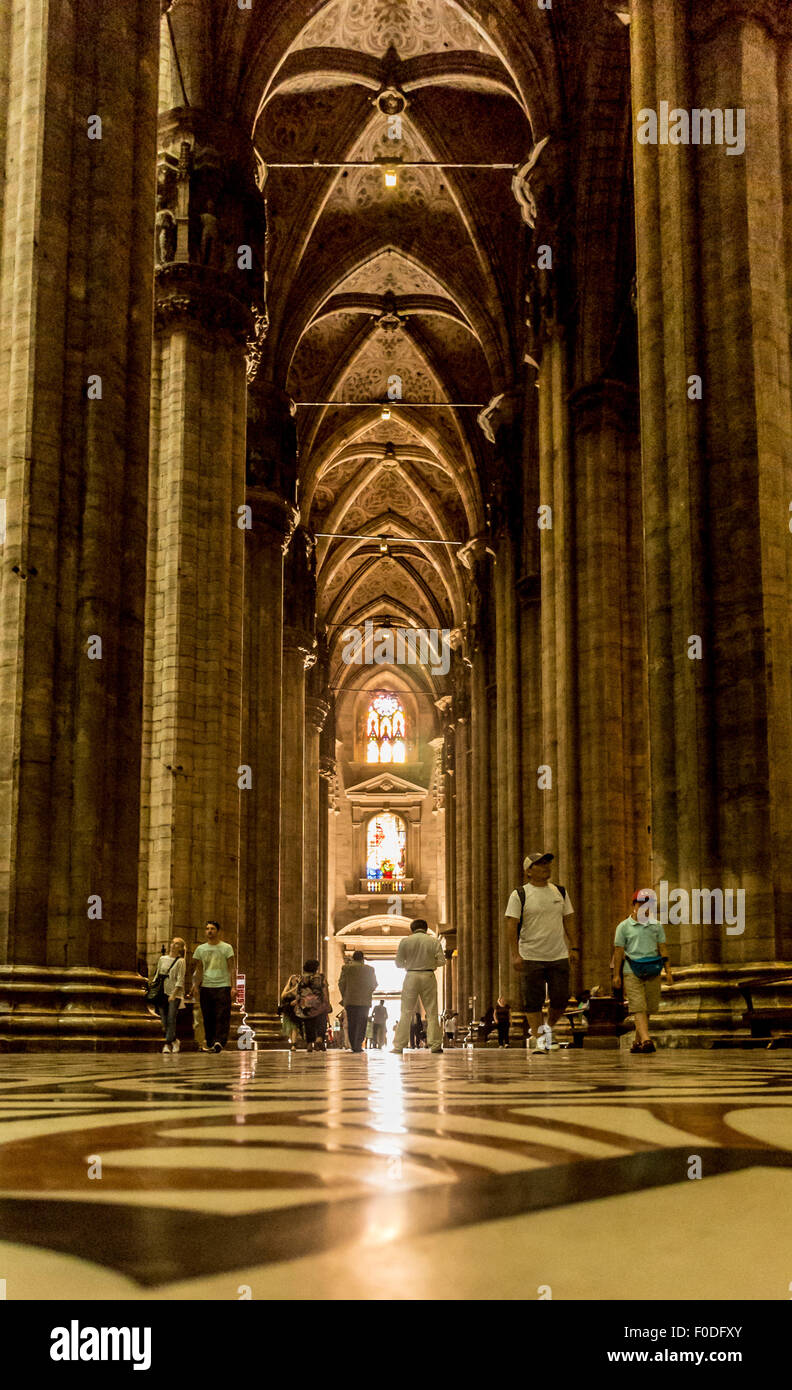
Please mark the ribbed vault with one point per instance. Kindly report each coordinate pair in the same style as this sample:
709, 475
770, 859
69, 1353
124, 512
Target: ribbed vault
398, 296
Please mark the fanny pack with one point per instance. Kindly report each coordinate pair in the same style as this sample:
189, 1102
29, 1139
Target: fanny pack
646, 967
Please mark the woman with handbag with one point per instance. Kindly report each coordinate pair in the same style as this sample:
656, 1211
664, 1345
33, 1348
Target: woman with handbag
312, 1005
291, 1025
166, 990
639, 959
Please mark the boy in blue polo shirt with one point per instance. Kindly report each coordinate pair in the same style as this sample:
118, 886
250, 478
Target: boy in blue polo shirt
639, 959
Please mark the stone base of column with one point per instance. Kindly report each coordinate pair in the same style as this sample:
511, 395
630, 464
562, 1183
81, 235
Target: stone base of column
267, 1028
46, 1009
705, 1008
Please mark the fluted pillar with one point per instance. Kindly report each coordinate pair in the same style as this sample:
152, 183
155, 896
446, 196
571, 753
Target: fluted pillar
316, 712
463, 840
272, 521
714, 294
208, 285
613, 749
557, 772
78, 142
298, 657
271, 454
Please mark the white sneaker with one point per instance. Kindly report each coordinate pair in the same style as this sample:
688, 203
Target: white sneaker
167, 1047
175, 1045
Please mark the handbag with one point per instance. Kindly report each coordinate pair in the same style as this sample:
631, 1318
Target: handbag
155, 993
646, 967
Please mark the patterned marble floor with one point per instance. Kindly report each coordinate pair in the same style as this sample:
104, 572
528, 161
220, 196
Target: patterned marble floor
483, 1175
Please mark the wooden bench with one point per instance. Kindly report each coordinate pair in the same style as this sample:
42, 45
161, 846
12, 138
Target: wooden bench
767, 1018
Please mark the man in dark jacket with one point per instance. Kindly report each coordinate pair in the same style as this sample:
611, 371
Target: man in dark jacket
357, 982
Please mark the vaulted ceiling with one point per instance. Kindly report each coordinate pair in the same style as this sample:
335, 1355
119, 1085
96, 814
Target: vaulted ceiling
372, 285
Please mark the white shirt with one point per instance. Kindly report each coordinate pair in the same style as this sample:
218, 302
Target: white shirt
174, 983
542, 935
420, 951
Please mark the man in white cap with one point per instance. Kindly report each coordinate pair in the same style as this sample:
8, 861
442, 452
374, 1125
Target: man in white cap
540, 943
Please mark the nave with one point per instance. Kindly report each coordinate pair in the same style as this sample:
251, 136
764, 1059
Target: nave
333, 1177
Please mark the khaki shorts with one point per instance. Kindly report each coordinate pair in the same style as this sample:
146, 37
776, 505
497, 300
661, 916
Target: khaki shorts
643, 996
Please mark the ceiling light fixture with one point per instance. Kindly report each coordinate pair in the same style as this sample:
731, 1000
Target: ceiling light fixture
391, 176
385, 413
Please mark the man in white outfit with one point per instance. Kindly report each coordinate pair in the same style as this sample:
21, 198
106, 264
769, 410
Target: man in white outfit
420, 955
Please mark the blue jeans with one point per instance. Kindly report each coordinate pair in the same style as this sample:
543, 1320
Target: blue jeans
167, 1013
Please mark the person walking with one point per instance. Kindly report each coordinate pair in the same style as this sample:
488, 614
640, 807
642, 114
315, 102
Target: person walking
312, 1005
379, 1017
540, 943
420, 955
168, 980
357, 982
214, 972
639, 959
503, 1021
291, 1025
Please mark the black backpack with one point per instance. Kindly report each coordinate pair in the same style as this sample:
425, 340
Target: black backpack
521, 896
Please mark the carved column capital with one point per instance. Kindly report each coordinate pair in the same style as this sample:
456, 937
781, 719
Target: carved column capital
210, 228
270, 511
297, 640
316, 712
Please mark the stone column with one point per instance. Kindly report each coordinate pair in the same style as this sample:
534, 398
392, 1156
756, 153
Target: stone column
476, 557
271, 471
316, 712
613, 749
272, 521
78, 144
208, 287
299, 655
437, 746
464, 908
714, 279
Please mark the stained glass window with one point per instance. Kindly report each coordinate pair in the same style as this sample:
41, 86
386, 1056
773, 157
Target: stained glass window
386, 846
385, 731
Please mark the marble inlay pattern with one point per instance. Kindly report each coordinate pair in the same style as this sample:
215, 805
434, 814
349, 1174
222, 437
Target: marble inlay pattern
211, 1167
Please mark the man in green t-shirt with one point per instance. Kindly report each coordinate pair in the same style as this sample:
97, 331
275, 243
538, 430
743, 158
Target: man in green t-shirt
214, 973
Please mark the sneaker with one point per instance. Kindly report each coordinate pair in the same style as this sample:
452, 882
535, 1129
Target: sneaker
218, 1047
637, 1047
648, 1046
205, 1048
435, 1050
175, 1045
167, 1047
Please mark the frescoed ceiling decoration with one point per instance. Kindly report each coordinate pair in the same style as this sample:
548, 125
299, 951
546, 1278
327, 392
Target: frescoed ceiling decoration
380, 291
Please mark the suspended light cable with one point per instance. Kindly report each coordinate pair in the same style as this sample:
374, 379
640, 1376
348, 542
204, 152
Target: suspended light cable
391, 540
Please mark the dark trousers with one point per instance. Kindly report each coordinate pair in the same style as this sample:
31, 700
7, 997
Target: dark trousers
216, 1013
503, 1031
357, 1018
315, 1028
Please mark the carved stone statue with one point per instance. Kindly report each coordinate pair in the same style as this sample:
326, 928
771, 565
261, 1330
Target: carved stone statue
210, 244
165, 232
